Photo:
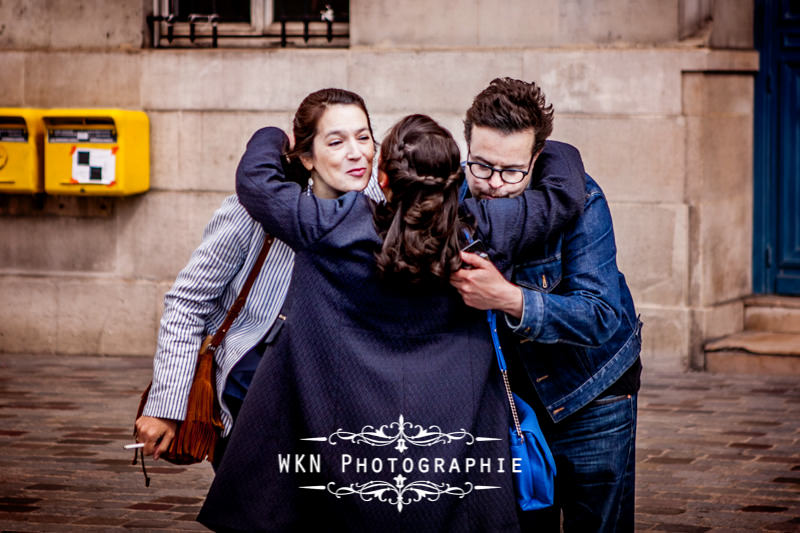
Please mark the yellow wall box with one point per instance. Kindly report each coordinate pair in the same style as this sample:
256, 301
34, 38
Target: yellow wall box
21, 142
96, 152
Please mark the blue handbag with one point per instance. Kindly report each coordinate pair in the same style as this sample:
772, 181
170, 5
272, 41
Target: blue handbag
534, 478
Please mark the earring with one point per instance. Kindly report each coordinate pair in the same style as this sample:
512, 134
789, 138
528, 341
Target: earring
310, 186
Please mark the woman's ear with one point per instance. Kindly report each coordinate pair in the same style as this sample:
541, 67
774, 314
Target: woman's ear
307, 162
383, 180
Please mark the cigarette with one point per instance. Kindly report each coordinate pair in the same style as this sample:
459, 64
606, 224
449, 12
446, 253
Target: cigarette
134, 446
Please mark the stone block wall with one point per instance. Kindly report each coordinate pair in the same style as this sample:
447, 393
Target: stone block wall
544, 23
73, 24
665, 128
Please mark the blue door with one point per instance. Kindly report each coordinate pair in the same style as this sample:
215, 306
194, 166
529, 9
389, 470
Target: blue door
776, 244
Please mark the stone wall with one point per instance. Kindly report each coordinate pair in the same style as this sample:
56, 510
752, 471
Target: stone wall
118, 24
73, 24
664, 125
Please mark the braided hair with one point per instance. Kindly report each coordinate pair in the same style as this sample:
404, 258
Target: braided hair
419, 224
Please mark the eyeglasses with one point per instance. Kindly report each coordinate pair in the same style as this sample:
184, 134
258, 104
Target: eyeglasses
508, 175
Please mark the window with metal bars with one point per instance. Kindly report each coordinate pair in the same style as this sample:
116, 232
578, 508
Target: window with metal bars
227, 10
250, 23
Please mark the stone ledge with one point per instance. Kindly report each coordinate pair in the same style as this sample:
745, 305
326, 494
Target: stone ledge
735, 362
775, 318
773, 301
721, 60
758, 342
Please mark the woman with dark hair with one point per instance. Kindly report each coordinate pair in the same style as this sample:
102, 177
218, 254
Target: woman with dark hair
419, 229
207, 287
379, 407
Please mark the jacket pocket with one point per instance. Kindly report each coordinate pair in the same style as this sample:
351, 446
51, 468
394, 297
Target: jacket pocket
542, 276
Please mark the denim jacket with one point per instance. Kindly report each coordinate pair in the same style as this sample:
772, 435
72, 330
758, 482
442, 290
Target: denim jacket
578, 312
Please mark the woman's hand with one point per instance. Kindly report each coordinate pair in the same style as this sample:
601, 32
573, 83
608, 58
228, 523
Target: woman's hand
482, 286
155, 433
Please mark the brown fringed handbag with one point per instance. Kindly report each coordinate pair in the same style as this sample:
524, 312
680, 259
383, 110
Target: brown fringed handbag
196, 436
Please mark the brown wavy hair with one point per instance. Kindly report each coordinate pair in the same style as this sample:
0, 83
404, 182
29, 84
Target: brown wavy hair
419, 224
510, 106
304, 126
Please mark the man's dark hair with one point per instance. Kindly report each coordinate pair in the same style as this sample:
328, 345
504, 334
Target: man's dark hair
511, 106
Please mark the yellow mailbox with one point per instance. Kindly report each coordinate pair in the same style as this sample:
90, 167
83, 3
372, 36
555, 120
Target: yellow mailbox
21, 138
96, 152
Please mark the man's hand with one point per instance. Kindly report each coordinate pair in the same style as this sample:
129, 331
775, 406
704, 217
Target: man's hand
484, 287
155, 433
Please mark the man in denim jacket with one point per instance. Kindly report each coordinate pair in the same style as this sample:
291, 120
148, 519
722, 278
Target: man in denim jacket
573, 337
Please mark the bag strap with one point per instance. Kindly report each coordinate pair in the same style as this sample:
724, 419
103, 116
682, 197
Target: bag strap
501, 361
238, 304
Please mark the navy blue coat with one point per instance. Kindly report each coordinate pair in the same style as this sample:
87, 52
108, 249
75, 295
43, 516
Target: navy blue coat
358, 360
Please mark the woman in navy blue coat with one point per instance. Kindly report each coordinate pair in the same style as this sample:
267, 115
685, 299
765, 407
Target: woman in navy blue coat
380, 406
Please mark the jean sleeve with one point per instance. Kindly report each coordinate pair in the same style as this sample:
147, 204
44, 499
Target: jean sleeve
584, 309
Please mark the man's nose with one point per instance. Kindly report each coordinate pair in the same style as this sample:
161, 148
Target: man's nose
495, 181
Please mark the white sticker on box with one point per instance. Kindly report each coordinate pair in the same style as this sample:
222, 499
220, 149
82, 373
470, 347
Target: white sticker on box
94, 165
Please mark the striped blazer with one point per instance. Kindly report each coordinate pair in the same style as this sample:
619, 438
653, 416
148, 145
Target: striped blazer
200, 298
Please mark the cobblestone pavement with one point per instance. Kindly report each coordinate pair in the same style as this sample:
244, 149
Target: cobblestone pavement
715, 453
